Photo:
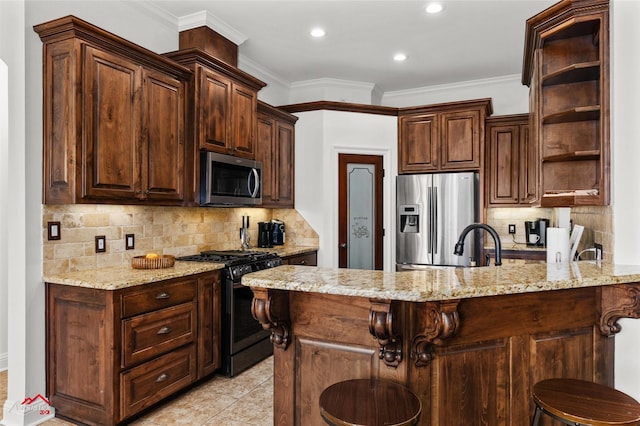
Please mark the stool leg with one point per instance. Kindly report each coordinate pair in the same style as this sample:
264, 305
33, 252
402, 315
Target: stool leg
536, 416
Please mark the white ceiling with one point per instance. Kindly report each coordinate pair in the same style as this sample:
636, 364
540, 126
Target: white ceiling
469, 40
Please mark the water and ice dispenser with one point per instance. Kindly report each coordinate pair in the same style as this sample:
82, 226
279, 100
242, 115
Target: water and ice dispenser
409, 218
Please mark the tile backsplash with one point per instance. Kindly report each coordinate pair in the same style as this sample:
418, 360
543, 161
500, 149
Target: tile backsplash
164, 230
597, 222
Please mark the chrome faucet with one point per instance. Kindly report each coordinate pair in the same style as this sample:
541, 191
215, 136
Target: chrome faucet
459, 249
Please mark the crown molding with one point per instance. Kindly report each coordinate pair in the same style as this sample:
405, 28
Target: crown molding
205, 18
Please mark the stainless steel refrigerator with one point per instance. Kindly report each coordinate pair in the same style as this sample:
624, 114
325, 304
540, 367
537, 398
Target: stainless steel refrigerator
432, 211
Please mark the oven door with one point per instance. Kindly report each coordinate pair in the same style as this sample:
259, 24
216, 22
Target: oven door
245, 330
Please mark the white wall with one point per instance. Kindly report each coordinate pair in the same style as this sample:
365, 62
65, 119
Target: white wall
4, 195
625, 133
320, 137
508, 94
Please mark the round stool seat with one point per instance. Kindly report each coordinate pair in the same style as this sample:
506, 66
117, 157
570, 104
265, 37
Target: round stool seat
369, 402
582, 402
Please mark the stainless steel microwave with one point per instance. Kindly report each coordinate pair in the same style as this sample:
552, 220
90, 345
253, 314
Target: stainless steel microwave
229, 181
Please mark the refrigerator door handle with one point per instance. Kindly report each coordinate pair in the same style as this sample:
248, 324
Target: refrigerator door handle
435, 220
429, 218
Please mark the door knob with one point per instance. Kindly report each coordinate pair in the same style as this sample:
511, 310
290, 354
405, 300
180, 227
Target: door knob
343, 245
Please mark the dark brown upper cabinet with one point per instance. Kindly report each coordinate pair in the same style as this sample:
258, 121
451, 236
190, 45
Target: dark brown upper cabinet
276, 151
442, 137
566, 65
223, 101
113, 115
512, 162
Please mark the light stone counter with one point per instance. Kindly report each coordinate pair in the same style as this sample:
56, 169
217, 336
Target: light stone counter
444, 283
118, 277
284, 251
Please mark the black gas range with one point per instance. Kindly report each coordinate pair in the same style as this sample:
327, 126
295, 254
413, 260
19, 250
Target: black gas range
244, 341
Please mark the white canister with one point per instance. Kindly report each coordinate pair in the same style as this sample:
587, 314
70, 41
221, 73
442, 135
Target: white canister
557, 245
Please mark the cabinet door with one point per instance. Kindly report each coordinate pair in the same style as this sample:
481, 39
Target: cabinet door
460, 140
418, 143
244, 104
529, 167
284, 165
504, 164
265, 150
164, 149
111, 125
214, 105
209, 328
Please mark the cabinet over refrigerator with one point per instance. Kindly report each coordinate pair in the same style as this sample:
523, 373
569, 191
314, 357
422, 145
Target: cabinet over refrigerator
432, 211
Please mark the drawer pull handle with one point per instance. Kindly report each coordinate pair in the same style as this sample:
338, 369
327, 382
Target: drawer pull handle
163, 295
164, 330
161, 378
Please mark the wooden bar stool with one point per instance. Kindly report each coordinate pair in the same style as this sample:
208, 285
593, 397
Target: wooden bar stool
369, 402
578, 402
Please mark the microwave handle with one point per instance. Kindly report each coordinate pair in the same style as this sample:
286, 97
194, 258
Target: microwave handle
255, 190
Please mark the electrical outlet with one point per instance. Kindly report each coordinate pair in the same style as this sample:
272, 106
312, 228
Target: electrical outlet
512, 228
598, 248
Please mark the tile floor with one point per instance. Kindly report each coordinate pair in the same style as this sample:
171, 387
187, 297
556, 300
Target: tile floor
244, 400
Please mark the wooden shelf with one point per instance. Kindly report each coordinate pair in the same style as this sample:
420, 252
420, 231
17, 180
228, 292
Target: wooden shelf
585, 113
569, 199
593, 154
585, 71
574, 28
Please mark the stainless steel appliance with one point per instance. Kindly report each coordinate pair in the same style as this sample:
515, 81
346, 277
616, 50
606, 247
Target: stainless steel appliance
230, 181
432, 211
244, 341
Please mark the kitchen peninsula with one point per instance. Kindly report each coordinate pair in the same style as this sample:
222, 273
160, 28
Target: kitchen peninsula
470, 342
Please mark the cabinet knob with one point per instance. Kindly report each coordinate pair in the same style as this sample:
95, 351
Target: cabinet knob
138, 192
147, 192
161, 378
164, 330
303, 262
163, 295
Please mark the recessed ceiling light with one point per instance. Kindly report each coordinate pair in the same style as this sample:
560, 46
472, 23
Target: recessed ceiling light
399, 57
318, 32
434, 8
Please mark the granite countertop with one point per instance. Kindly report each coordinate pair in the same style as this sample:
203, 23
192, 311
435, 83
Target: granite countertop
444, 283
284, 251
118, 277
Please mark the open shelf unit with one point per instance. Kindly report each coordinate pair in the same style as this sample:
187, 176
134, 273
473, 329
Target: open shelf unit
566, 65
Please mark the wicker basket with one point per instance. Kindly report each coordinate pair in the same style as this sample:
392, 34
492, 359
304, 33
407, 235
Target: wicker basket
162, 261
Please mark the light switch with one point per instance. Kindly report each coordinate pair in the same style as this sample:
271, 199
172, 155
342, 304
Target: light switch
53, 231
130, 241
101, 244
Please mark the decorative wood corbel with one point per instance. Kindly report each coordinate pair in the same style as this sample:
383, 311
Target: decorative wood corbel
618, 301
381, 326
271, 309
440, 320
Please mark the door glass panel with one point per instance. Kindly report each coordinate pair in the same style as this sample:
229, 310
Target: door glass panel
361, 212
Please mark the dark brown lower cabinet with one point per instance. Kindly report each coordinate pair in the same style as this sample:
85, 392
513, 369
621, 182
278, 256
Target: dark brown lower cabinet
305, 259
470, 361
113, 353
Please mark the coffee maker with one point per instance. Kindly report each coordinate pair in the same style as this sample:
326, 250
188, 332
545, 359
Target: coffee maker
265, 234
536, 232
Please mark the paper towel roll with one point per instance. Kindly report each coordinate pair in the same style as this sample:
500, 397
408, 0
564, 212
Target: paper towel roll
557, 245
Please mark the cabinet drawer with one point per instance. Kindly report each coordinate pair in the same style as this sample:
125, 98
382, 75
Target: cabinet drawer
158, 296
150, 382
149, 335
308, 259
